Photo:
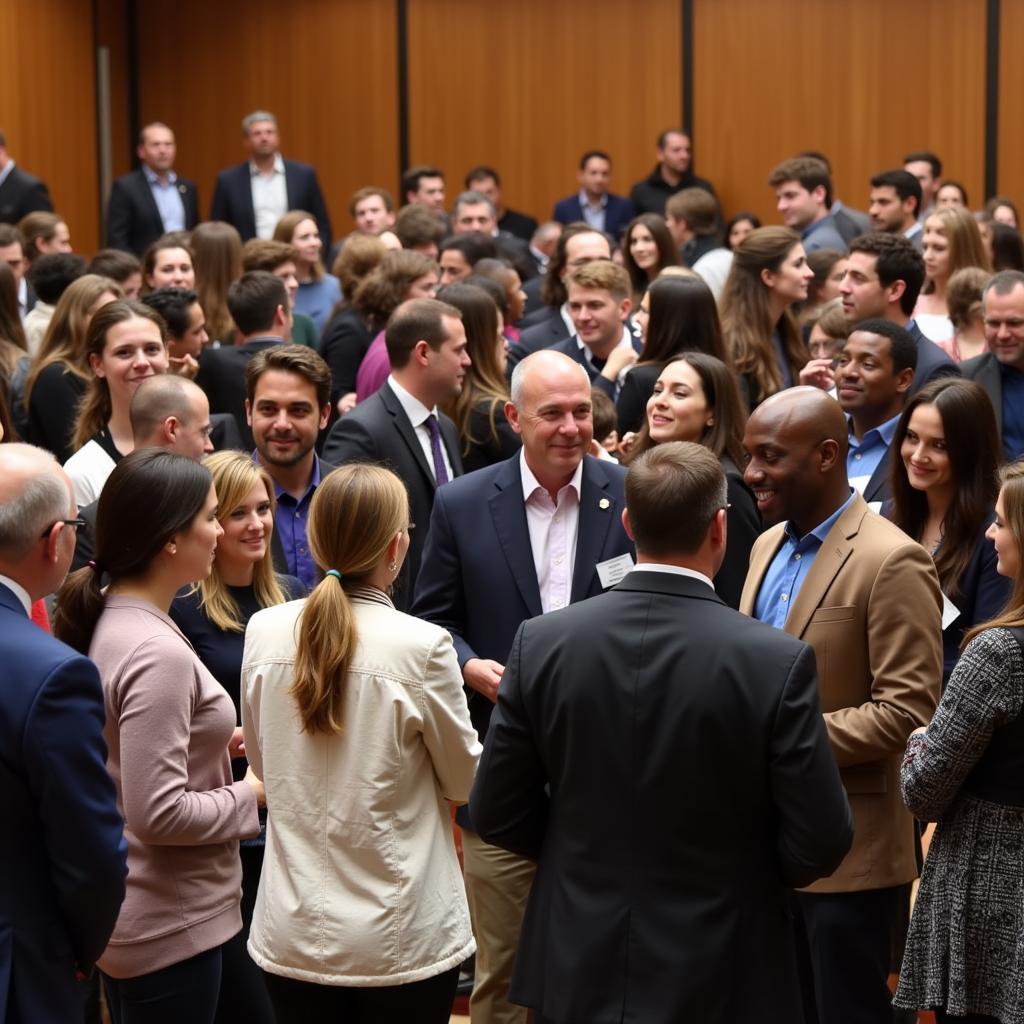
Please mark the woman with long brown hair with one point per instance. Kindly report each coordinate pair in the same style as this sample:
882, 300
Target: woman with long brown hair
647, 249
319, 292
354, 715
217, 258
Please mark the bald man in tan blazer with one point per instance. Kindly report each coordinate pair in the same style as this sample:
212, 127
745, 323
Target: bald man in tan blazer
866, 597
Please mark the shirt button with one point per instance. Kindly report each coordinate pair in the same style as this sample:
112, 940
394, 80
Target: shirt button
558, 561
857, 457
797, 556
784, 597
296, 515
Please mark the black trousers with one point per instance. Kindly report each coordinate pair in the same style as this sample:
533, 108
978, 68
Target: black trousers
423, 1002
847, 954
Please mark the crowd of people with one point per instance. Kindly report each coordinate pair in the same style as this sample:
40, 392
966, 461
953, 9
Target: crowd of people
602, 615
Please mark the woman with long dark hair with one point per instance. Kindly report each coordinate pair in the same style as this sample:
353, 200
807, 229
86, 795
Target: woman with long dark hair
647, 249
945, 479
168, 263
168, 727
696, 399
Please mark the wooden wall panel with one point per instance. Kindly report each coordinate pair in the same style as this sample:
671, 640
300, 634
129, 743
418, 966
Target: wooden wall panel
47, 85
326, 69
1011, 101
863, 81
529, 86
112, 32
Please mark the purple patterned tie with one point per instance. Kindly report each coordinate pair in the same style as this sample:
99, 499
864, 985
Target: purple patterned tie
440, 473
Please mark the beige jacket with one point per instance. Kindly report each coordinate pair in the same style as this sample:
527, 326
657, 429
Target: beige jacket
361, 885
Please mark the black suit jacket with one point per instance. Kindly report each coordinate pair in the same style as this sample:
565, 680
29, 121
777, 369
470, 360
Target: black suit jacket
232, 198
378, 430
133, 220
571, 348
665, 761
22, 193
617, 214
879, 485
984, 369
519, 224
545, 331
932, 362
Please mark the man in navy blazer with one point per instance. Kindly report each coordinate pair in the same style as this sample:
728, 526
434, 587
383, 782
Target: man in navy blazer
256, 194
20, 192
152, 200
594, 204
62, 849
507, 543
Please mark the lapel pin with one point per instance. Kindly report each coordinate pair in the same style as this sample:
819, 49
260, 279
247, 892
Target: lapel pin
604, 503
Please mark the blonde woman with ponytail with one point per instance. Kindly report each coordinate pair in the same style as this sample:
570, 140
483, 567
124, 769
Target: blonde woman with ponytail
353, 713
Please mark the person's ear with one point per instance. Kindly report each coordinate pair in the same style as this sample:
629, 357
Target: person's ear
904, 379
829, 453
628, 526
768, 278
512, 415
248, 412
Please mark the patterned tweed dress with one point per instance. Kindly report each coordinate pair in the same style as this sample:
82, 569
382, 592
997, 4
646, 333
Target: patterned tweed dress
965, 948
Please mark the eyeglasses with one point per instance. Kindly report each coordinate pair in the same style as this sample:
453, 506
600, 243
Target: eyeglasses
77, 524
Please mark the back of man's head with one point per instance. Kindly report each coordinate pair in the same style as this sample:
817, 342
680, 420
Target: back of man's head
267, 254
51, 274
413, 321
808, 171
254, 300
896, 260
673, 493
173, 304
473, 245
697, 207
157, 399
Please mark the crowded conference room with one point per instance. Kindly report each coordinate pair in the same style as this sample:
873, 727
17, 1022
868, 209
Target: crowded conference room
512, 513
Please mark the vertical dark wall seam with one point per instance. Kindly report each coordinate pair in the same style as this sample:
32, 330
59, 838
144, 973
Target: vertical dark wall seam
96, 110
687, 25
131, 25
992, 12
402, 17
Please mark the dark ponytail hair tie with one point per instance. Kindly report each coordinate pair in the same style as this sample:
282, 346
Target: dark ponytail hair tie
95, 568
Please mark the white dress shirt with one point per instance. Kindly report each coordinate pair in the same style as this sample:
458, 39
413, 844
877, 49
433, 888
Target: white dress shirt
553, 527
672, 570
418, 413
269, 197
19, 592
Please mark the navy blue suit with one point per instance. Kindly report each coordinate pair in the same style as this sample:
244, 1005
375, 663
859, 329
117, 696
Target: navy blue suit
62, 847
617, 214
571, 348
232, 198
932, 362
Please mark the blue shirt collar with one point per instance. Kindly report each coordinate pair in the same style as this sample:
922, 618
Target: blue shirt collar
154, 179
885, 432
314, 480
820, 532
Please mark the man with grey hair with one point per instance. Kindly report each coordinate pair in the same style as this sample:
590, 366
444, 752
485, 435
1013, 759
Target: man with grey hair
534, 533
256, 194
62, 849
474, 212
664, 761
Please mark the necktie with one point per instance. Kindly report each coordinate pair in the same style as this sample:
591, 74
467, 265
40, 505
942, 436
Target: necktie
440, 472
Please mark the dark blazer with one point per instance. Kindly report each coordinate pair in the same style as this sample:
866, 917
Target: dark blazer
571, 348
22, 193
879, 486
743, 526
61, 845
133, 220
534, 307
985, 370
617, 214
636, 390
665, 761
232, 198
849, 222
519, 224
222, 376
378, 430
485, 449
652, 193
547, 330
343, 344
932, 362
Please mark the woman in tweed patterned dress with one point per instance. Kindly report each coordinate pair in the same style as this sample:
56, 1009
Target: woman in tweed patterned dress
965, 949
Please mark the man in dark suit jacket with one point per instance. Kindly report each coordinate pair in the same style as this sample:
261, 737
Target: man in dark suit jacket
665, 762
151, 200
487, 182
508, 542
62, 845
20, 192
400, 426
250, 195
594, 204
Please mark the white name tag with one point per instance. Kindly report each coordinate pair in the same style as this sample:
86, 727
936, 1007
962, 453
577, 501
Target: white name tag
613, 570
858, 483
950, 612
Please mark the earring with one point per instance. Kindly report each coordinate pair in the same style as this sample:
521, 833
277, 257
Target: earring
174, 549
392, 567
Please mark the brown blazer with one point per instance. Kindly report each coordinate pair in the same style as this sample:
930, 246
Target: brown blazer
872, 610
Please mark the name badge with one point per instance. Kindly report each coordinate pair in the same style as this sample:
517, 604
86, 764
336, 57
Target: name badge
950, 612
614, 570
858, 483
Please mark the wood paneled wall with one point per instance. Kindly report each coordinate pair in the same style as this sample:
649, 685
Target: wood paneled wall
1011, 101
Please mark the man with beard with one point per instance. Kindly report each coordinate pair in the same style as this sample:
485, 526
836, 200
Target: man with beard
288, 404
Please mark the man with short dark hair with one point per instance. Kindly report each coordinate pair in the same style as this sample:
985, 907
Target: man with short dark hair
594, 204
151, 200
486, 182
686, 717
896, 205
400, 425
281, 259
474, 213
417, 228
692, 218
671, 174
20, 192
288, 403
372, 209
256, 194
1000, 371
461, 252
258, 303
927, 168
803, 193
12, 252
424, 184
874, 371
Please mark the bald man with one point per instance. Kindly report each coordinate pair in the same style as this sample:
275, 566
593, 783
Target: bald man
526, 536
62, 849
866, 597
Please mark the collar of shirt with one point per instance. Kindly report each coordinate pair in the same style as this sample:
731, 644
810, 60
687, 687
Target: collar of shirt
914, 230
531, 484
6, 172
154, 179
820, 532
254, 171
279, 491
585, 202
413, 407
23, 297
626, 339
19, 592
882, 434
672, 570
567, 319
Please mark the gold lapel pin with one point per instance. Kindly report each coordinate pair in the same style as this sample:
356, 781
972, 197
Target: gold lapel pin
604, 503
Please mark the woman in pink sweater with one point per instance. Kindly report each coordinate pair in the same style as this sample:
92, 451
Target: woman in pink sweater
169, 728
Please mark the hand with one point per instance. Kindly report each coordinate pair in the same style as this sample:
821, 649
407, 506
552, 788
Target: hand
919, 731
236, 745
619, 359
185, 367
257, 785
346, 403
818, 373
483, 675
627, 442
